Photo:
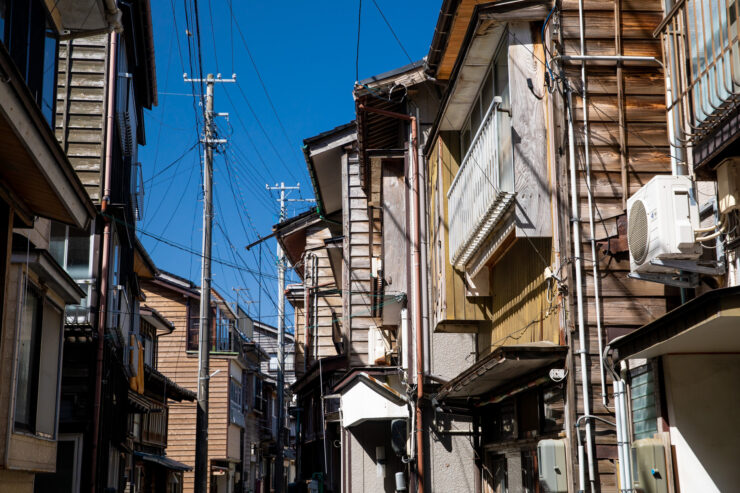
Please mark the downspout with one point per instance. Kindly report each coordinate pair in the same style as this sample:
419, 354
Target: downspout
578, 264
623, 442
416, 284
103, 299
306, 325
113, 15
315, 304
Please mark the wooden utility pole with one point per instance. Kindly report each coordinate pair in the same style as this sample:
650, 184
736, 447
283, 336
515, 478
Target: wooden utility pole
281, 333
210, 141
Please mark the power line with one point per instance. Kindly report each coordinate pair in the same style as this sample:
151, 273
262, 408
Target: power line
392, 32
261, 81
357, 51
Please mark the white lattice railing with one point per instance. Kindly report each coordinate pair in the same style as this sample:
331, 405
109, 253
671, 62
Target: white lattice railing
475, 201
701, 47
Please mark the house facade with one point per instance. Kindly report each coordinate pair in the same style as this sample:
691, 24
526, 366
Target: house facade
546, 339
241, 419
39, 189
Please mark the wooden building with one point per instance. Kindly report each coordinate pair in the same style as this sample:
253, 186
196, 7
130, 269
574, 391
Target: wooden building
236, 396
503, 260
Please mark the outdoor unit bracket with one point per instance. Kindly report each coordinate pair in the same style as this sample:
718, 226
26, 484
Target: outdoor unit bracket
689, 280
708, 267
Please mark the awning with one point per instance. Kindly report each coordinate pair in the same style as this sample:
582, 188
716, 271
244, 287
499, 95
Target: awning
502, 366
707, 324
365, 398
163, 461
36, 176
51, 274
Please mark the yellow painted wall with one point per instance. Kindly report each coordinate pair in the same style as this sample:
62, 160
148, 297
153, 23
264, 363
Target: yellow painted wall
452, 311
523, 304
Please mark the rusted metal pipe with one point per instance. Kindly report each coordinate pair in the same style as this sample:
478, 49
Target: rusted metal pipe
416, 254
103, 298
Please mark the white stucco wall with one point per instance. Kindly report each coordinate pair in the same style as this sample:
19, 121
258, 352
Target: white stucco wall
704, 415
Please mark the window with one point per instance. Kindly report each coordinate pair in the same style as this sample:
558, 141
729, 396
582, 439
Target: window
273, 363
148, 351
193, 326
496, 83
114, 291
32, 43
39, 357
28, 360
72, 249
235, 393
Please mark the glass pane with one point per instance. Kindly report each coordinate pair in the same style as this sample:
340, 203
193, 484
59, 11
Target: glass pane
475, 117
78, 255
465, 139
56, 242
501, 88
27, 360
49, 78
486, 93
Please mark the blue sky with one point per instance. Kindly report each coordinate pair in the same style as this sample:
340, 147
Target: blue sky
306, 56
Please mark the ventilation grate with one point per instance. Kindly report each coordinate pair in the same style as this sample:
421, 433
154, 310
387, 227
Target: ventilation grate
637, 232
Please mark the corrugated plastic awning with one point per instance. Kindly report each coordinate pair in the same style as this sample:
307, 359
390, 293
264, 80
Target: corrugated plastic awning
163, 461
500, 367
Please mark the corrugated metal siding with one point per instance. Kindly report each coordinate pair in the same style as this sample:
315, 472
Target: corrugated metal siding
81, 105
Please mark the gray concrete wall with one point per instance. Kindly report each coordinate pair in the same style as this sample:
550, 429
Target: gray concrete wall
450, 457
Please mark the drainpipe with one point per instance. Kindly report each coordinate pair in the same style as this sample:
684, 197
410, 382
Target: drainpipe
621, 415
582, 341
103, 299
416, 285
306, 325
113, 15
592, 229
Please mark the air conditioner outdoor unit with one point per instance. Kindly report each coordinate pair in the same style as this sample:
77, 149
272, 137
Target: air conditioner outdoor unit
661, 219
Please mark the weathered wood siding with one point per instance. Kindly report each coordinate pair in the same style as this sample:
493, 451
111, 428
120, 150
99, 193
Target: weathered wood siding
358, 285
524, 305
328, 301
181, 366
80, 111
451, 310
628, 146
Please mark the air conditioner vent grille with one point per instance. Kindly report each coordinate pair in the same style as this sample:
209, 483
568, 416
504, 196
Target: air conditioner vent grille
637, 232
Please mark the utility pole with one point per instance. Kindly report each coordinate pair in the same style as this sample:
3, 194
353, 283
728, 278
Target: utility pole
281, 332
201, 425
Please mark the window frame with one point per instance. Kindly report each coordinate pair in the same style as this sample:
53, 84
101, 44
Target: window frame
27, 43
31, 427
484, 111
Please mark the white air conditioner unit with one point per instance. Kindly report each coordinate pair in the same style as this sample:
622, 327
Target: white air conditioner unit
661, 218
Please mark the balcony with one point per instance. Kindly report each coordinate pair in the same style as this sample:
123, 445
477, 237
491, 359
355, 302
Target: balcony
477, 200
80, 314
701, 50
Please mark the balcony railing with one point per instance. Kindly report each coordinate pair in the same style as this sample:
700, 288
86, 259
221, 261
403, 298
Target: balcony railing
80, 314
701, 51
476, 200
